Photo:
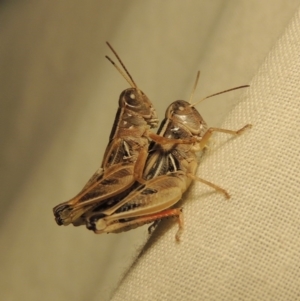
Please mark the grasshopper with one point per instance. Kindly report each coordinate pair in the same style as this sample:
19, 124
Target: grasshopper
169, 171
125, 155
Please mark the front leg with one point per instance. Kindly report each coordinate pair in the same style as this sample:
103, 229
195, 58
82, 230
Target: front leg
210, 131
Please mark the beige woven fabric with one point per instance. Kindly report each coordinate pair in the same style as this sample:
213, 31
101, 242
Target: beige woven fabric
58, 101
247, 248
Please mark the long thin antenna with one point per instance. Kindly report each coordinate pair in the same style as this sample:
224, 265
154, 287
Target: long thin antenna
240, 87
122, 72
195, 86
125, 69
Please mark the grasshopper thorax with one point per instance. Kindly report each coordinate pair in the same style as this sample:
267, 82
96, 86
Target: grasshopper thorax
137, 103
181, 112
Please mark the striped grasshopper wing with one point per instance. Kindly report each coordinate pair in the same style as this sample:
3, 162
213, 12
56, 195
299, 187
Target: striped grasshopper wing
124, 157
168, 172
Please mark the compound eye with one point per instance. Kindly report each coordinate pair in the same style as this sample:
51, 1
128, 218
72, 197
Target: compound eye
132, 99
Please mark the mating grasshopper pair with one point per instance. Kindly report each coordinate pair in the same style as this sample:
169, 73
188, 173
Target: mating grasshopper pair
137, 183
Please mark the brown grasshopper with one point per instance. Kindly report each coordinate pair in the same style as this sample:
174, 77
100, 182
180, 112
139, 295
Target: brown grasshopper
125, 155
169, 171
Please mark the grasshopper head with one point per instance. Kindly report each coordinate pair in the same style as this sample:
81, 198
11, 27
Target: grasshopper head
138, 103
182, 113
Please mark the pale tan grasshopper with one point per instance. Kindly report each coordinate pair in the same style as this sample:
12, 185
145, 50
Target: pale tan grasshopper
125, 155
169, 171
